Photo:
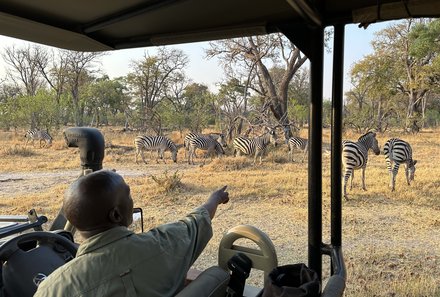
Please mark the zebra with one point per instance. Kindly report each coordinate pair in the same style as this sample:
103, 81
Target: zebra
398, 151
355, 156
40, 135
220, 137
297, 143
204, 143
153, 143
256, 145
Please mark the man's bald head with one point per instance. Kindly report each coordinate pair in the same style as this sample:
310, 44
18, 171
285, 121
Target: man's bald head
98, 201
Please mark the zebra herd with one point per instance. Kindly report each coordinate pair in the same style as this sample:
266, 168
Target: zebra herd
213, 143
396, 151
354, 153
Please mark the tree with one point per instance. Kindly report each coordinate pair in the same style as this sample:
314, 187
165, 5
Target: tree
150, 81
256, 56
24, 71
79, 66
105, 98
412, 64
394, 83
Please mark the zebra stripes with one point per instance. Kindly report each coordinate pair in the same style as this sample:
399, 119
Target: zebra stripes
40, 135
298, 143
154, 143
257, 145
219, 137
204, 143
355, 156
398, 151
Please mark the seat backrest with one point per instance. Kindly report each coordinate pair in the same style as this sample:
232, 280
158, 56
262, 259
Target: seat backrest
210, 283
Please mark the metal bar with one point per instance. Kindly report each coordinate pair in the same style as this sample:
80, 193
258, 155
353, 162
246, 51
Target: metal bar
127, 14
23, 227
336, 141
307, 13
338, 264
315, 149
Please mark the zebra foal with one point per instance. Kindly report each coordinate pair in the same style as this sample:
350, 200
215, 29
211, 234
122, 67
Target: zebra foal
398, 151
254, 146
40, 135
207, 144
154, 143
355, 156
298, 143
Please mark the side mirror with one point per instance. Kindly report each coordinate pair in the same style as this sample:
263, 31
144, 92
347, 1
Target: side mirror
138, 221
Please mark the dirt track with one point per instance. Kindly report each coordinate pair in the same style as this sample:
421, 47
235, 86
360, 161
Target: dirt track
18, 183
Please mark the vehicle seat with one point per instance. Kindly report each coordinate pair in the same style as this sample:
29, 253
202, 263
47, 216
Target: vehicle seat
210, 283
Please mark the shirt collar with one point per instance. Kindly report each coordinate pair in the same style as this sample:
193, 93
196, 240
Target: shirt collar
102, 239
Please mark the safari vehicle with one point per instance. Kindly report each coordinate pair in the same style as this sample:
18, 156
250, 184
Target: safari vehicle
111, 25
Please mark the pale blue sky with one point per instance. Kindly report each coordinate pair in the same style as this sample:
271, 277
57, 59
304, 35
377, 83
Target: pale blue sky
357, 45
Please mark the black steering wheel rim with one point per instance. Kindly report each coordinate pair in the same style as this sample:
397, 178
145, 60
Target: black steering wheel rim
23, 270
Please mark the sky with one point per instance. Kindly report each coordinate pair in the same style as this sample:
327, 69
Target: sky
209, 72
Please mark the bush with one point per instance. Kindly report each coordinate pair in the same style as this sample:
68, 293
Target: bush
168, 183
18, 151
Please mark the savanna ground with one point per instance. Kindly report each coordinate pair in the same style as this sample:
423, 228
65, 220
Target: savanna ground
391, 240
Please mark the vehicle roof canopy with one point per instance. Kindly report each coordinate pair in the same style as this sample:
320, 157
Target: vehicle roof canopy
101, 25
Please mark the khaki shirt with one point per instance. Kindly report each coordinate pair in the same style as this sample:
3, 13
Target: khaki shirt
120, 263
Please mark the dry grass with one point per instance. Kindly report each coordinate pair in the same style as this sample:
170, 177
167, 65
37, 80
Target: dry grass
391, 240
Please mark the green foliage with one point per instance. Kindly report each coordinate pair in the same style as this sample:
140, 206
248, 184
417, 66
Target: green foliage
299, 113
168, 183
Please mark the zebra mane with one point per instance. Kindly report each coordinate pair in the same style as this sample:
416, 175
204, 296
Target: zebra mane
373, 134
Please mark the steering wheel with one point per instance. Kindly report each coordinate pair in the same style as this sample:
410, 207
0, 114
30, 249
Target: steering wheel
30, 257
264, 258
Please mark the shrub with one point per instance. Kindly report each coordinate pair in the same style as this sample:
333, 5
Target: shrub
168, 183
18, 151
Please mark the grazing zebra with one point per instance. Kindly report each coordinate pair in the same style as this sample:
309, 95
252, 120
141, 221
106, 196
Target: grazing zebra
40, 135
355, 156
219, 137
204, 143
398, 151
154, 143
255, 145
298, 143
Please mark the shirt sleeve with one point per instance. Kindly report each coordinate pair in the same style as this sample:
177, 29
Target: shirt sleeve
186, 238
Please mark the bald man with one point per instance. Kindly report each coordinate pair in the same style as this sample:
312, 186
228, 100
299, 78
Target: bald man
114, 261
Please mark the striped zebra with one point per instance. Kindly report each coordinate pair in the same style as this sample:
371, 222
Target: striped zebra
298, 143
40, 135
204, 143
398, 151
254, 146
154, 143
355, 156
219, 137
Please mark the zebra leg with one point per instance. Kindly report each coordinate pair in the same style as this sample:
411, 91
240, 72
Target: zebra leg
304, 155
363, 179
346, 177
255, 157
143, 157
191, 156
390, 173
161, 155
407, 175
351, 182
393, 176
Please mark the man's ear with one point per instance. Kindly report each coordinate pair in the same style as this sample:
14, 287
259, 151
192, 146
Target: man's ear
115, 216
